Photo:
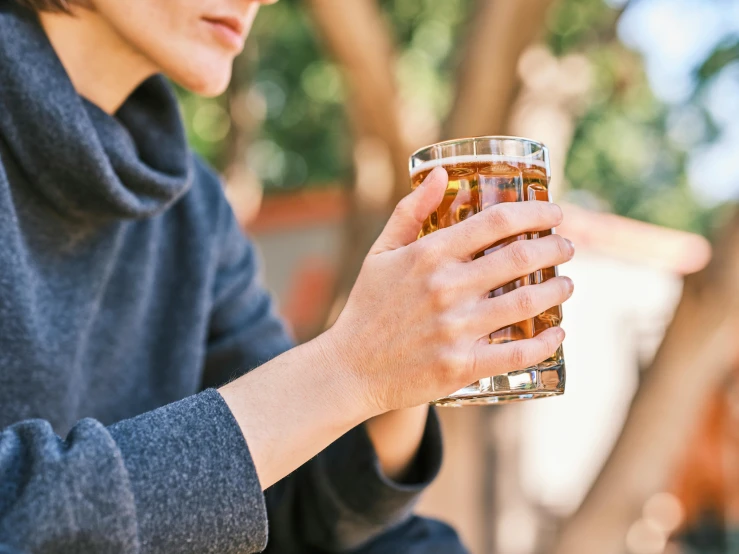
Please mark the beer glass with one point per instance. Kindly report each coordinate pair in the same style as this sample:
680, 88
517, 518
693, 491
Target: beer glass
485, 171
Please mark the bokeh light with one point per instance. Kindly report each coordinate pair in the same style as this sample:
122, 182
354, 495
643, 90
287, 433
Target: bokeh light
665, 511
645, 538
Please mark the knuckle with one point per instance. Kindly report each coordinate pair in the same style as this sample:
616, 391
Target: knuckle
420, 249
499, 217
525, 301
519, 357
437, 290
433, 284
450, 329
451, 365
425, 251
520, 255
465, 233
415, 257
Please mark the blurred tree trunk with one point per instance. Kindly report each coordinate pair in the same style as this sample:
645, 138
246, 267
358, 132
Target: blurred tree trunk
357, 37
488, 81
696, 357
243, 187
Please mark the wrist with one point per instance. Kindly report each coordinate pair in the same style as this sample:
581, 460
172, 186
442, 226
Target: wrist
293, 407
351, 379
396, 437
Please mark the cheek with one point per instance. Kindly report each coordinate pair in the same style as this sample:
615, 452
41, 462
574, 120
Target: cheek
174, 41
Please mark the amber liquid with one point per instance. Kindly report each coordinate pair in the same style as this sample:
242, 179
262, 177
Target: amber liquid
476, 185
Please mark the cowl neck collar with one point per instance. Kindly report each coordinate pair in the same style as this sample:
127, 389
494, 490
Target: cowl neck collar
87, 163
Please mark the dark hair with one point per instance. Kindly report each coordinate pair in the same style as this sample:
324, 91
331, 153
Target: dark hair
47, 5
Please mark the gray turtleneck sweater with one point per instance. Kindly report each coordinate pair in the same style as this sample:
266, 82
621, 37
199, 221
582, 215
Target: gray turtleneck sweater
127, 291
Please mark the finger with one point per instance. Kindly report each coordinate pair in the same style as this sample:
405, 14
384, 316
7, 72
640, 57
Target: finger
520, 304
494, 359
404, 225
467, 238
515, 260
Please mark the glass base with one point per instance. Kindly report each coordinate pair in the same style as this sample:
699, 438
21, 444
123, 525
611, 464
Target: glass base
546, 379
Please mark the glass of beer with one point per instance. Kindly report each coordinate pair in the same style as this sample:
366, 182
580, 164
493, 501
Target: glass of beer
483, 172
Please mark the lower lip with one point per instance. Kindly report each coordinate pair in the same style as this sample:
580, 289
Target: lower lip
226, 35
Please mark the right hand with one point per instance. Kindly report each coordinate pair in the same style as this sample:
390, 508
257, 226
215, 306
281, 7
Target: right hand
416, 324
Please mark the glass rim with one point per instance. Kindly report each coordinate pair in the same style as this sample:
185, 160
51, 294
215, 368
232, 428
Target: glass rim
541, 145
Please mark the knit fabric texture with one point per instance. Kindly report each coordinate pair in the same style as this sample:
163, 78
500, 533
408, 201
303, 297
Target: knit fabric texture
127, 293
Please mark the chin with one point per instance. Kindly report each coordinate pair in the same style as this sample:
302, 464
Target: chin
209, 80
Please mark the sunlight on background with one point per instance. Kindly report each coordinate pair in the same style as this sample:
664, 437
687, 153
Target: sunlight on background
620, 308
675, 37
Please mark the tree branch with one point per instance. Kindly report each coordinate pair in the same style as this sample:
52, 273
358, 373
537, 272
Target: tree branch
500, 31
358, 38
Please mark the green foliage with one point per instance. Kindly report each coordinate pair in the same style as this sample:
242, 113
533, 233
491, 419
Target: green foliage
624, 157
575, 23
207, 124
297, 92
304, 129
428, 34
723, 56
292, 94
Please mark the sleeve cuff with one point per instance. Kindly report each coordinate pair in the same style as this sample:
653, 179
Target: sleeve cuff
194, 483
354, 473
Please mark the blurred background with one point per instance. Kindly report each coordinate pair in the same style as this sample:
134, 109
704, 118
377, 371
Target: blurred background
638, 102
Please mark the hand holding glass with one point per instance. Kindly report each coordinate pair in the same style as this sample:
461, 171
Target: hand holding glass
483, 172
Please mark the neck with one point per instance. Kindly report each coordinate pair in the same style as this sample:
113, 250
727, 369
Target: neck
103, 68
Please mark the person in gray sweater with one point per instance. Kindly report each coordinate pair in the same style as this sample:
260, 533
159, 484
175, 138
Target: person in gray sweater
151, 399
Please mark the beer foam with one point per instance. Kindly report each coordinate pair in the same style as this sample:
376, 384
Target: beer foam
471, 158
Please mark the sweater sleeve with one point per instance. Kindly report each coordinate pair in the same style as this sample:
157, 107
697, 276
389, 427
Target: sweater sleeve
177, 479
340, 499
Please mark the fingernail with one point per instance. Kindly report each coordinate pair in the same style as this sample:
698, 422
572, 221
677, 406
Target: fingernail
572, 247
560, 333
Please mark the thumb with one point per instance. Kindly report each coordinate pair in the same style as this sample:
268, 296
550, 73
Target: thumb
404, 225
